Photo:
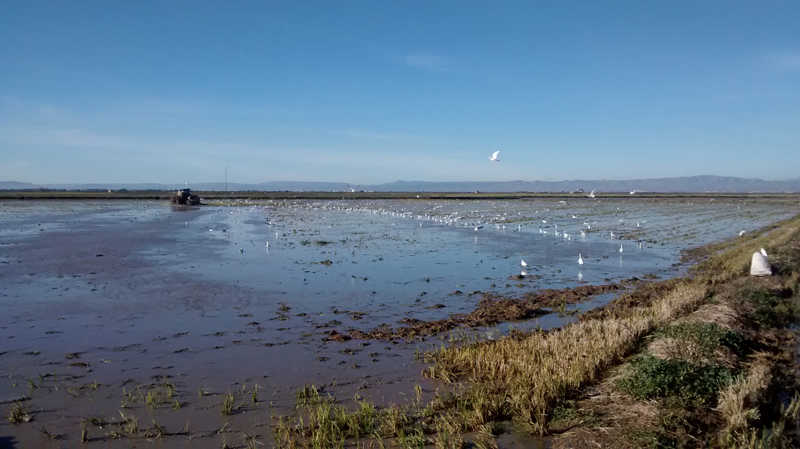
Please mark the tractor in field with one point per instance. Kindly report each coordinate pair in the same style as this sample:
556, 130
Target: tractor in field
186, 197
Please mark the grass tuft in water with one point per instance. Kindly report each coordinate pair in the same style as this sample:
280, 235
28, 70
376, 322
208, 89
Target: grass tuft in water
228, 404
18, 414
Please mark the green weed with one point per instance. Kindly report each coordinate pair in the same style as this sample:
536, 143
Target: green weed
651, 377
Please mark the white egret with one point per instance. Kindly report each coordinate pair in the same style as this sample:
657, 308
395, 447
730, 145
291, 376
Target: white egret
580, 259
495, 157
620, 248
741, 233
523, 263
763, 252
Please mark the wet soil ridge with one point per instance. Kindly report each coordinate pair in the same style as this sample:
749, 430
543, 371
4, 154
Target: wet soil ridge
492, 309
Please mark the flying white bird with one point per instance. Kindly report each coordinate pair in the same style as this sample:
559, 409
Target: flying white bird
495, 157
580, 259
763, 252
523, 263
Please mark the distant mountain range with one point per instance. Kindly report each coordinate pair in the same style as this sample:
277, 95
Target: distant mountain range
720, 184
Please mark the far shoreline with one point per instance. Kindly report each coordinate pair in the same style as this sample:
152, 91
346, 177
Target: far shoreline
319, 195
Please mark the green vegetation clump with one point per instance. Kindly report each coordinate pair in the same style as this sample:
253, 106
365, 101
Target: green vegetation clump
651, 378
18, 414
330, 425
707, 336
773, 309
308, 395
228, 404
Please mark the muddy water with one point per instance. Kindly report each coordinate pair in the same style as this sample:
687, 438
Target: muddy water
98, 297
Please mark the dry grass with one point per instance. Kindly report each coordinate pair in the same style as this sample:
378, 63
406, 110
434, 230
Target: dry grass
720, 314
522, 379
737, 401
776, 436
673, 348
734, 260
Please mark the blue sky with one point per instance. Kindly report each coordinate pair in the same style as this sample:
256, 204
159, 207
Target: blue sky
369, 92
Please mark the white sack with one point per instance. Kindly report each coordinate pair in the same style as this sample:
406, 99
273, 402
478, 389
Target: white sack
759, 266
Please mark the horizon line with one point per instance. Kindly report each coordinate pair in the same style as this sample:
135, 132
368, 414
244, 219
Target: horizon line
402, 181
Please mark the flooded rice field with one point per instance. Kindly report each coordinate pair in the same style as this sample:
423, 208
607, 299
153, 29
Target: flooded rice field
160, 312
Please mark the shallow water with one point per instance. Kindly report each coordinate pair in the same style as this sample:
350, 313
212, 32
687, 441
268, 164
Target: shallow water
245, 293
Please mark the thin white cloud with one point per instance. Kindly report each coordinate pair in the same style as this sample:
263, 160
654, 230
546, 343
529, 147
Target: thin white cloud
370, 135
72, 138
426, 61
785, 60
255, 160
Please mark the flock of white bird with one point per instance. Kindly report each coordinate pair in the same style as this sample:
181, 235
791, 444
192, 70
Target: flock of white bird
495, 157
456, 219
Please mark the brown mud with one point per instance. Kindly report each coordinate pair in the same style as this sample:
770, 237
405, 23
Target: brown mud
492, 309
